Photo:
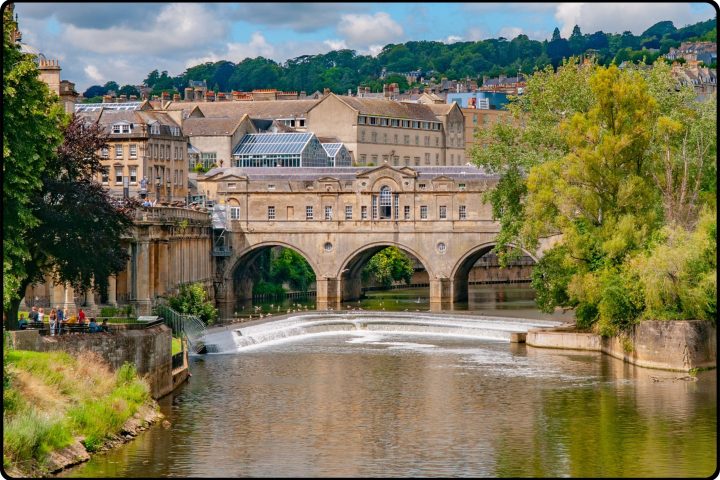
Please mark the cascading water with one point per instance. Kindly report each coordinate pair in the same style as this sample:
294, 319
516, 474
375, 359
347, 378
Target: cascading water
224, 340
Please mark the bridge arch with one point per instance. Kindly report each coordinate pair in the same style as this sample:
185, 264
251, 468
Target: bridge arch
462, 267
242, 268
351, 267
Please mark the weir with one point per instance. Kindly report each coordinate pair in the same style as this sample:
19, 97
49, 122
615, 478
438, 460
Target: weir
224, 340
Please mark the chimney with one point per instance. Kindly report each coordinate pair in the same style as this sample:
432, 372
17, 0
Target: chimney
221, 97
209, 96
133, 98
123, 98
326, 91
176, 97
188, 94
107, 99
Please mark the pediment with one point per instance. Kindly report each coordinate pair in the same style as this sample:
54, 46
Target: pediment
442, 178
387, 170
328, 179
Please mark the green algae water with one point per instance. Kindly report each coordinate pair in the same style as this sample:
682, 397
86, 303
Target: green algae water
382, 404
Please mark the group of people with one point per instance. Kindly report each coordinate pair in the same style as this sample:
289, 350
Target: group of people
58, 320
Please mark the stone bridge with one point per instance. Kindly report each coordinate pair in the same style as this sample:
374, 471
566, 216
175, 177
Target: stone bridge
338, 218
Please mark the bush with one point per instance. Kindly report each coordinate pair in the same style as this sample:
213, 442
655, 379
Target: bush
193, 299
30, 435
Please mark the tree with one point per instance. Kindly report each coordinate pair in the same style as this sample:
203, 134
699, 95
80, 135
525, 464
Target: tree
94, 91
290, 266
128, 90
32, 122
193, 299
389, 265
78, 234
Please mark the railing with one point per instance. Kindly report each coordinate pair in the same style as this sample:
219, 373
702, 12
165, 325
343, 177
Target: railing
189, 326
280, 296
222, 251
150, 214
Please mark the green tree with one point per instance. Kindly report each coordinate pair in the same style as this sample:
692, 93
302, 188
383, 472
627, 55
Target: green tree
32, 123
290, 266
389, 265
79, 229
194, 300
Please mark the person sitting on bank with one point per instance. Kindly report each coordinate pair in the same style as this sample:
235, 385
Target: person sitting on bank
33, 314
22, 323
104, 327
93, 325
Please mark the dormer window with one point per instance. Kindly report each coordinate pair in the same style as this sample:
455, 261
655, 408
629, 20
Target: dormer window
121, 128
155, 129
174, 131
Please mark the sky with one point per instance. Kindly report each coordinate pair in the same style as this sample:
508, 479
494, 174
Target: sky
98, 42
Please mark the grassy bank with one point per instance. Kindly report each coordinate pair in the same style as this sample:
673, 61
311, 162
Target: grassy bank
51, 398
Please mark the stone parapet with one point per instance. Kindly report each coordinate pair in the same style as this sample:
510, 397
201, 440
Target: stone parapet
679, 345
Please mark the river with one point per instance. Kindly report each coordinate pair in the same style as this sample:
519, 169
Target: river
369, 403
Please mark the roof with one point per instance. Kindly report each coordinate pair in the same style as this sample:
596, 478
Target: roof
272, 143
211, 126
269, 109
466, 172
441, 108
93, 107
332, 148
389, 108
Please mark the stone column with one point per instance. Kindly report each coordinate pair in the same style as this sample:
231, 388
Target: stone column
163, 267
142, 282
58, 295
90, 296
441, 297
112, 290
328, 293
69, 304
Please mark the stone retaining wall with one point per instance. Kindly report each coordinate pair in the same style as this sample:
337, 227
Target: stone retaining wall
670, 345
150, 349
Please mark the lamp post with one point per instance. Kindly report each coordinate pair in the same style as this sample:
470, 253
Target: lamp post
168, 184
158, 182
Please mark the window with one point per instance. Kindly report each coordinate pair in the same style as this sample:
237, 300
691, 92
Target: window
208, 159
271, 213
181, 177
384, 122
461, 186
348, 212
155, 128
362, 135
437, 141
373, 121
427, 159
415, 124
156, 149
422, 186
133, 150
385, 202
271, 186
328, 212
395, 122
374, 159
362, 120
406, 159
363, 212
105, 175
175, 131
396, 138
104, 152
417, 160
407, 139
443, 212
118, 175
118, 151
234, 213
374, 136
121, 128
363, 159
385, 158
384, 137
116, 129
427, 141
133, 175
462, 212
396, 205
407, 212
423, 212
417, 139
162, 152
452, 159
308, 213
231, 185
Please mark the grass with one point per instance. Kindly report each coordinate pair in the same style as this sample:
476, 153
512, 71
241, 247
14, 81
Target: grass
176, 345
53, 397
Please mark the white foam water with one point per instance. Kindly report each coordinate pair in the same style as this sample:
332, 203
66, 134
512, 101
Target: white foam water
370, 325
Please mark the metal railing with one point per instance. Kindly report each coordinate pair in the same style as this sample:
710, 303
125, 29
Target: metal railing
147, 214
182, 325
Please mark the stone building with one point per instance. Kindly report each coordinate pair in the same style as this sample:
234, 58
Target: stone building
376, 131
213, 139
476, 119
147, 151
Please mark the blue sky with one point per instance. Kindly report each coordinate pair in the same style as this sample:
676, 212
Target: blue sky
121, 41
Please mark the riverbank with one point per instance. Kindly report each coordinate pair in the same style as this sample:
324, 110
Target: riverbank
60, 408
678, 345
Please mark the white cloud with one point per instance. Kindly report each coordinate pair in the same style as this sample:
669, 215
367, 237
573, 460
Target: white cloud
373, 50
618, 17
363, 31
92, 72
475, 33
176, 26
335, 44
452, 39
510, 32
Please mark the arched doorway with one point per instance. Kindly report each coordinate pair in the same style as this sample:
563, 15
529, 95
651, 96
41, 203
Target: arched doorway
269, 278
359, 289
480, 266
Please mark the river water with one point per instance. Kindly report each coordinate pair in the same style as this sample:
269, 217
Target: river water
383, 404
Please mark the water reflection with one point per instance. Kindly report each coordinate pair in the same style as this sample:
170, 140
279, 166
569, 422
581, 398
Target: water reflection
510, 300
381, 405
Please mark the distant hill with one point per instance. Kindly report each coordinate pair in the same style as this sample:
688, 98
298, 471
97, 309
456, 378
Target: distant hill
344, 70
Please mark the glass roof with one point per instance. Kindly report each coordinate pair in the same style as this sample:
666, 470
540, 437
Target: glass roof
94, 107
332, 148
262, 143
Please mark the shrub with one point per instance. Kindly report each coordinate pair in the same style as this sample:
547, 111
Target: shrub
193, 299
31, 435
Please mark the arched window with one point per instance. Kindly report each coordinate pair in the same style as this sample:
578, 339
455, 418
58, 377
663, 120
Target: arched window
385, 203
